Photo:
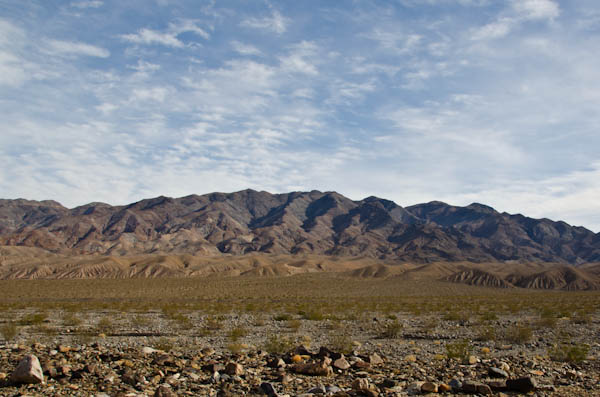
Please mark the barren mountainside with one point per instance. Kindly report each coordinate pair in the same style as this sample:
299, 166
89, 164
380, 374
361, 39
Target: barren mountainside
321, 223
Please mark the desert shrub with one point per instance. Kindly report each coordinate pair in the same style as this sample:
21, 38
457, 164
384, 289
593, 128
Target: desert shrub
486, 334
9, 331
569, 353
104, 325
140, 321
461, 317
313, 315
33, 319
519, 333
305, 340
340, 342
235, 347
165, 344
238, 332
213, 323
182, 321
391, 330
294, 324
278, 344
459, 350
548, 318
581, 318
488, 316
282, 317
70, 319
430, 324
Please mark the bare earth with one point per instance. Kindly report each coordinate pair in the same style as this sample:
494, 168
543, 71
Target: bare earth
90, 335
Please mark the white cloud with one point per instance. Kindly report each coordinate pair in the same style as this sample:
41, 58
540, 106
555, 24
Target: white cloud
245, 49
87, 4
536, 9
275, 22
148, 36
75, 48
494, 30
168, 38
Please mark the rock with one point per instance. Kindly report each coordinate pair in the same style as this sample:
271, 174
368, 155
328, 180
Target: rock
148, 350
164, 391
472, 360
375, 359
497, 385
331, 389
443, 388
234, 369
341, 363
476, 387
388, 383
523, 385
362, 386
504, 366
455, 384
318, 390
269, 389
296, 358
28, 371
276, 363
312, 369
494, 372
429, 387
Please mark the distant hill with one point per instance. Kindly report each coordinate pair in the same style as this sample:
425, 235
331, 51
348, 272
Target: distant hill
319, 223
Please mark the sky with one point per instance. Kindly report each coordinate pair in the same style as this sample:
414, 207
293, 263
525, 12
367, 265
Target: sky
461, 101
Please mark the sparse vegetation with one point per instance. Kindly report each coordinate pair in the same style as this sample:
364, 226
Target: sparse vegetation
459, 350
9, 331
278, 344
340, 342
573, 353
486, 334
236, 333
519, 333
391, 330
104, 325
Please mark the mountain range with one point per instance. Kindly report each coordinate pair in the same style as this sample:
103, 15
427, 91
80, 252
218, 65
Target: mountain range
295, 223
322, 224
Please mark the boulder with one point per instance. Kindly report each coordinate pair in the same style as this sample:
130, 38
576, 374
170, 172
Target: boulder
28, 371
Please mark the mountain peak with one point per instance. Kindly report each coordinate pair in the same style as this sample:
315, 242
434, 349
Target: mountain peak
324, 223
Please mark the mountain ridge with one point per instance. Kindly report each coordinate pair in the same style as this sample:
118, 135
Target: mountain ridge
321, 223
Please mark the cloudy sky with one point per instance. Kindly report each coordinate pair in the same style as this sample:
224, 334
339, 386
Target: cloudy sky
411, 100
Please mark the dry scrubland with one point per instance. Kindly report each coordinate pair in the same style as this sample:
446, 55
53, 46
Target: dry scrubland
424, 331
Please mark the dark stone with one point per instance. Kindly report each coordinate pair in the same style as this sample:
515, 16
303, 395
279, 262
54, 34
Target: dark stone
523, 385
269, 389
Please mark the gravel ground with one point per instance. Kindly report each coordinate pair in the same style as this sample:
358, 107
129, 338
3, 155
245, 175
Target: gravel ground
107, 353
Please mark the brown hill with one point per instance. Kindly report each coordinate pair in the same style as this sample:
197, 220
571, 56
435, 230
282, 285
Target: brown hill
299, 223
565, 278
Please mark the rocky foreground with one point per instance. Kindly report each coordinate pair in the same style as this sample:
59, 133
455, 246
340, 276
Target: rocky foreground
395, 364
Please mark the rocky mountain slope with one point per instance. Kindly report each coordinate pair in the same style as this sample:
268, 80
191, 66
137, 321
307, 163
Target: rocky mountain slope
295, 223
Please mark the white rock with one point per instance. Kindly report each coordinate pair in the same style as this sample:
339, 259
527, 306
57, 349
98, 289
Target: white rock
148, 350
28, 371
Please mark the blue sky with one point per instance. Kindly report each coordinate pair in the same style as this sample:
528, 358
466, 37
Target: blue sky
411, 100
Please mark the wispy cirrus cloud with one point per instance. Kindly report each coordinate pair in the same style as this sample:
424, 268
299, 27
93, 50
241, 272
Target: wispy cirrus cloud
87, 4
75, 48
168, 37
454, 100
275, 22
